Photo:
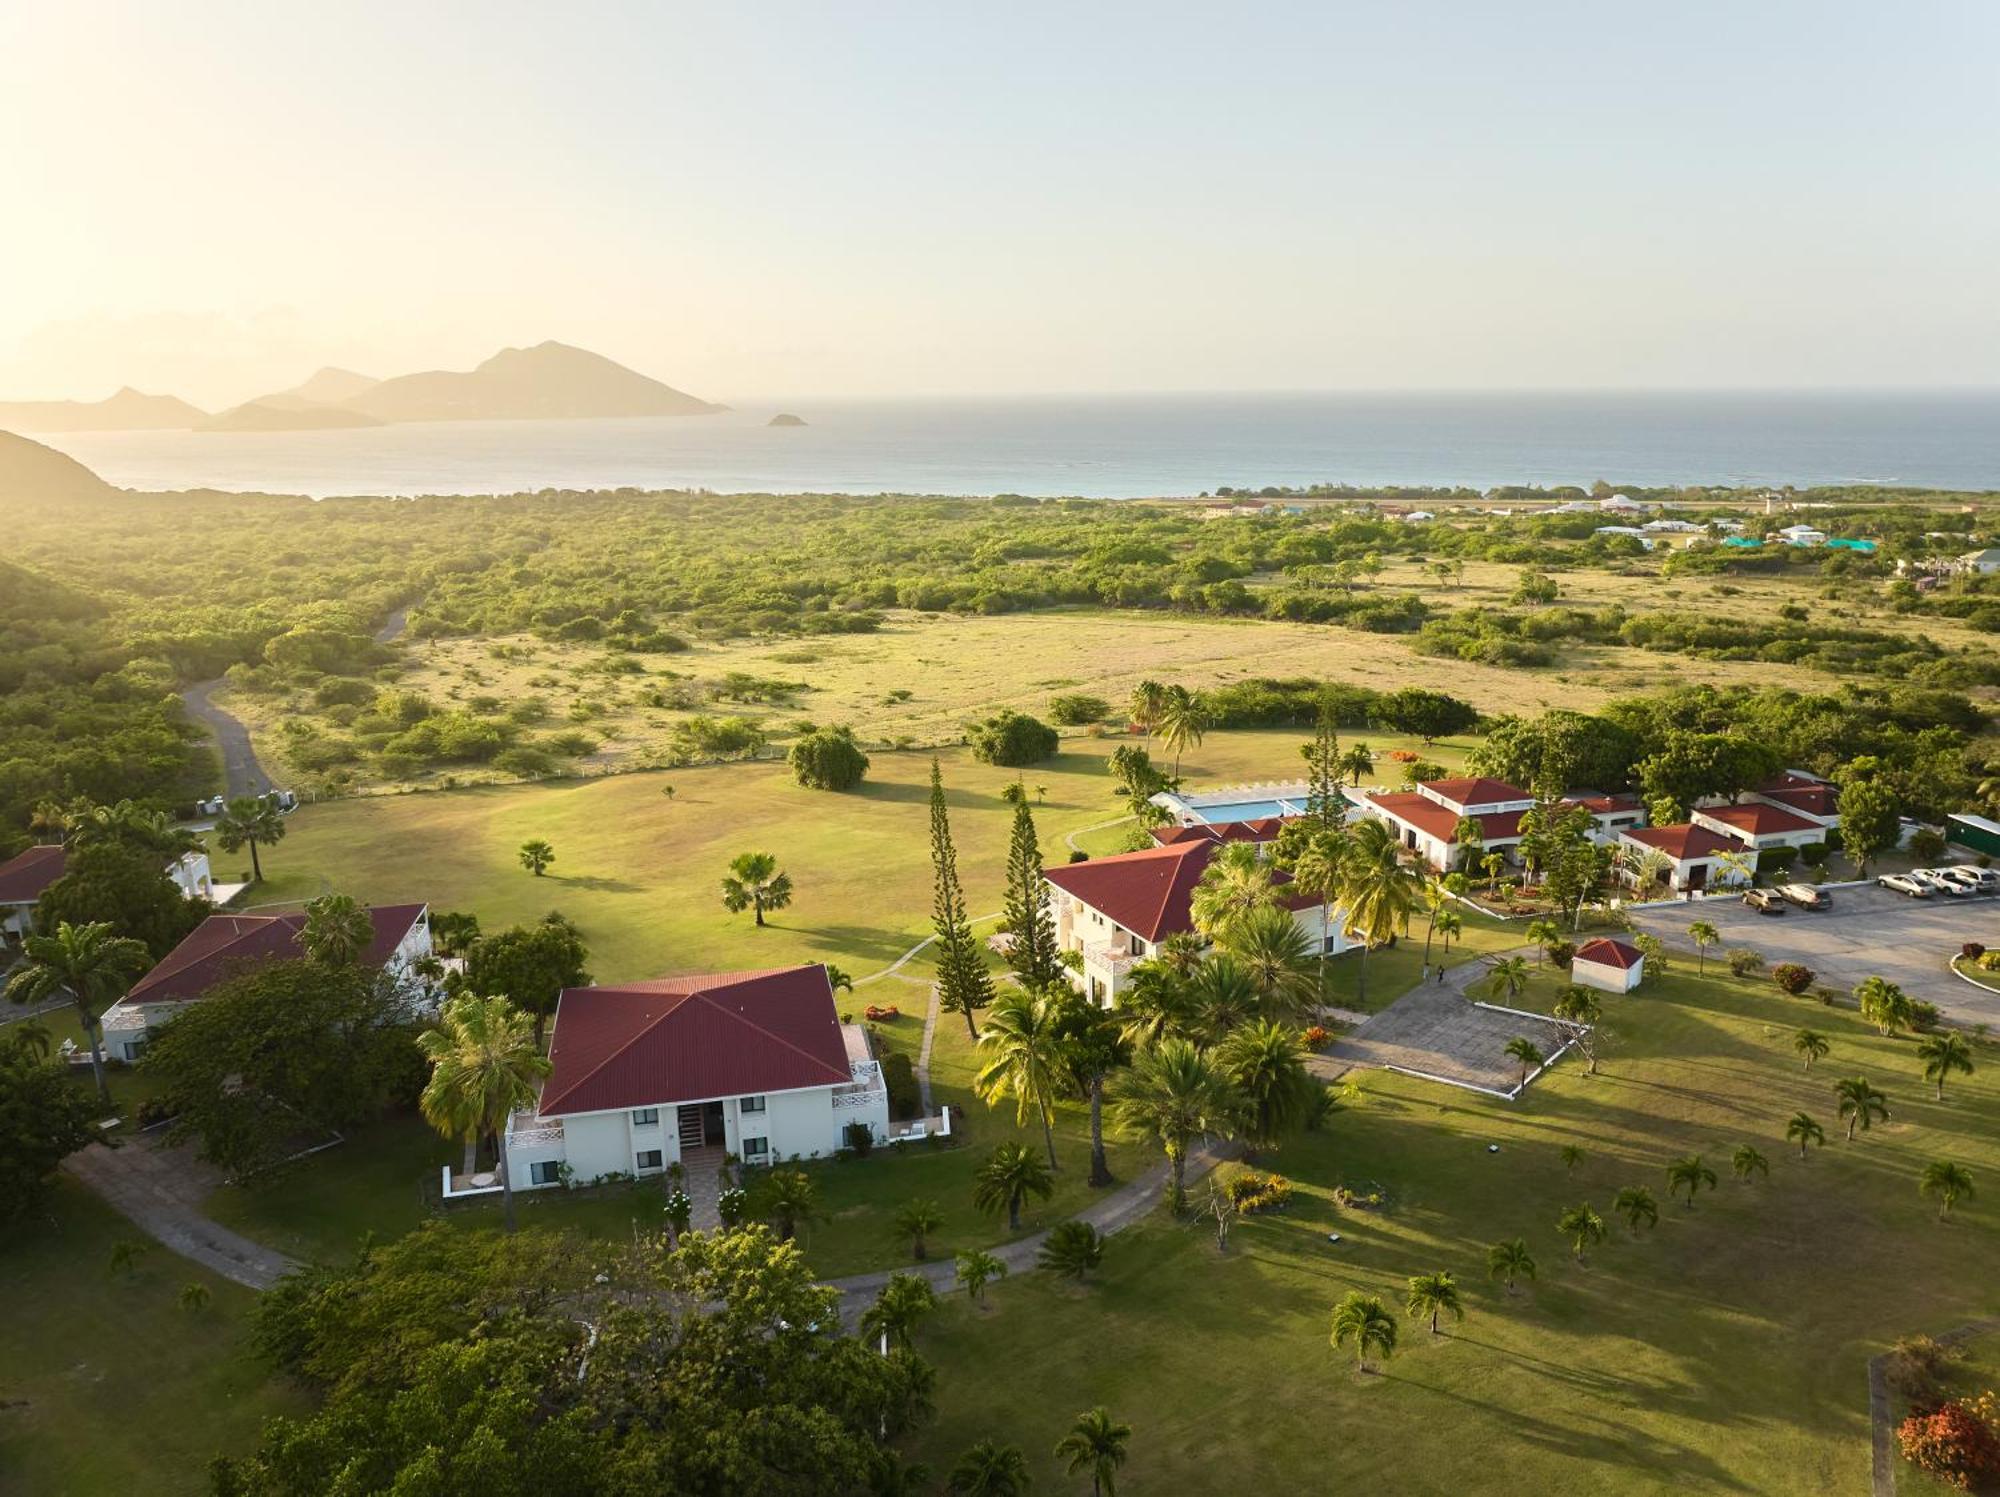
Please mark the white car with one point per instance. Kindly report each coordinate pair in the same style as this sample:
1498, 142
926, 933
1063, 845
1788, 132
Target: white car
1903, 883
1942, 880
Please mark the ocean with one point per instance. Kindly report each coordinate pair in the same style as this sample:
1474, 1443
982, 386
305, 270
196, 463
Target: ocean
1113, 447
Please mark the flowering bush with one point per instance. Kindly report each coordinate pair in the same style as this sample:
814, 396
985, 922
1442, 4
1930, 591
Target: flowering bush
1255, 1191
1355, 1200
1402, 756
876, 1013
731, 1205
1952, 1442
1316, 1036
1792, 978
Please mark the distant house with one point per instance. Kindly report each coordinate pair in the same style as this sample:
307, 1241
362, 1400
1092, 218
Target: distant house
1692, 853
1115, 912
644, 1075
1805, 795
224, 945
1983, 562
1632, 530
1613, 966
1802, 535
1622, 504
1672, 527
25, 878
1426, 818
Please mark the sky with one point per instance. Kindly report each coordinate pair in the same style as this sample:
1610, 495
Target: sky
758, 200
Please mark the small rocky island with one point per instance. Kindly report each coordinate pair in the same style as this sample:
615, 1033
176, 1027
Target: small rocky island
786, 418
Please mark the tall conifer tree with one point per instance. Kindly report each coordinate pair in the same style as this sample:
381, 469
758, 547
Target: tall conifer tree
963, 981
1033, 952
1325, 805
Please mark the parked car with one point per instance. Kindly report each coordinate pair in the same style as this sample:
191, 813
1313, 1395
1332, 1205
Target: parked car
1764, 901
1903, 883
1972, 880
1942, 881
1805, 896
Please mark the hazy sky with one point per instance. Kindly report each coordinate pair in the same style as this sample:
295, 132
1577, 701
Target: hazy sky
756, 199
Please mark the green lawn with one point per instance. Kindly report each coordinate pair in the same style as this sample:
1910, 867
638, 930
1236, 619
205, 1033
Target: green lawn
1724, 1351
106, 1383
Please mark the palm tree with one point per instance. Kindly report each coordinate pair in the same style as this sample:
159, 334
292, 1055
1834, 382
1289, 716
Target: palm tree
1522, 1049
990, 1470
1236, 883
1883, 1004
1073, 1248
1704, 935
337, 931
976, 1269
1220, 996
1508, 978
1184, 722
1812, 1045
1747, 1161
1183, 952
1802, 1130
1689, 1174
1022, 1046
90, 966
838, 979
1571, 1157
1468, 840
1096, 1443
1173, 1093
1636, 1204
1949, 1182
1149, 701
1379, 892
1652, 871
1733, 868
485, 1066
790, 1200
754, 883
1943, 1054
1449, 925
536, 856
1860, 1104
1010, 1175
1266, 1063
1434, 1294
1277, 957
1157, 1004
1491, 865
1510, 1261
899, 1307
1358, 760
1583, 1227
1316, 872
1362, 1319
1091, 1044
1544, 934
249, 822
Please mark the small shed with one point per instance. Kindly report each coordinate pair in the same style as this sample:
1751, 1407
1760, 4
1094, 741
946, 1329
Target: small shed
1974, 832
1613, 966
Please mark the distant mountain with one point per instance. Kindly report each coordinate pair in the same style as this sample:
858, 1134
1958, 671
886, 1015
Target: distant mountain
786, 418
30, 471
329, 386
550, 381
266, 415
128, 410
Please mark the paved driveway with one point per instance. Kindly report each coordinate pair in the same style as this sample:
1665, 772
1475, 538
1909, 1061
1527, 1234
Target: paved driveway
1869, 932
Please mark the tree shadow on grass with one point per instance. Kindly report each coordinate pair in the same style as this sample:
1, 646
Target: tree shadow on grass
594, 884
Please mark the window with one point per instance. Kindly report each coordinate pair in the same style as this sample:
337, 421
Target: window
134, 1049
545, 1172
749, 1104
645, 1117
649, 1159
755, 1148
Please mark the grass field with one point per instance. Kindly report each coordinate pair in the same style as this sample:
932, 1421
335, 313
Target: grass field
1723, 1351
106, 1383
641, 873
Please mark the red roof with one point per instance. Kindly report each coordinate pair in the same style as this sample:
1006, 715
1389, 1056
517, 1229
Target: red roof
1683, 840
1264, 829
1600, 804
1790, 779
215, 947
1815, 800
23, 878
1426, 815
1606, 952
1759, 820
1145, 891
691, 1039
1479, 791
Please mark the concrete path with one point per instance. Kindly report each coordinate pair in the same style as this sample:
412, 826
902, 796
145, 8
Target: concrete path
162, 1191
703, 1185
923, 1066
1069, 838
1110, 1213
241, 773
1881, 1420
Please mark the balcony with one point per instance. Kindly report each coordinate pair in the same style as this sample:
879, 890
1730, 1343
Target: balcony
865, 1089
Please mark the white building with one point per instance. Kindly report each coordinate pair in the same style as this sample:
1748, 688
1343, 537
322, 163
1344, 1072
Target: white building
23, 880
1612, 966
1426, 818
222, 945
1802, 535
685, 1069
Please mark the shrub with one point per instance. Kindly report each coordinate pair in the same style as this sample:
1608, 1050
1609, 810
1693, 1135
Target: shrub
731, 1205
1776, 859
1316, 1036
1744, 962
1916, 1367
1972, 951
906, 1099
1792, 978
828, 759
877, 1013
525, 760
1561, 952
1923, 1016
1952, 1443
859, 1137
1990, 962
1254, 1190
1011, 739
1074, 709
573, 744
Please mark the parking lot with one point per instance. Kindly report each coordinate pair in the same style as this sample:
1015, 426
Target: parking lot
1869, 932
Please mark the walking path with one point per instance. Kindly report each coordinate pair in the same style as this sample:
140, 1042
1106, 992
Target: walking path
1069, 838
162, 1190
241, 773
1881, 1421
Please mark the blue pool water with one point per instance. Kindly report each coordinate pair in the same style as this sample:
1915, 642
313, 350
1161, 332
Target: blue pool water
1249, 810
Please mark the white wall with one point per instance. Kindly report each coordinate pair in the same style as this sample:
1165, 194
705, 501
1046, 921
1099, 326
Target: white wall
1610, 979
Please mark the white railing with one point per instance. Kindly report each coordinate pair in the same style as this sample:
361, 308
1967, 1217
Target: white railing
858, 1097
529, 1128
119, 1017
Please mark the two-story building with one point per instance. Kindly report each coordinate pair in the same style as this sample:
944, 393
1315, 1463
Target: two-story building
25, 877
648, 1074
223, 945
1427, 816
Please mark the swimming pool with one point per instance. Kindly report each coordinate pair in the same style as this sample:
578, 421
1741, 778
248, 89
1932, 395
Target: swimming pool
1247, 810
